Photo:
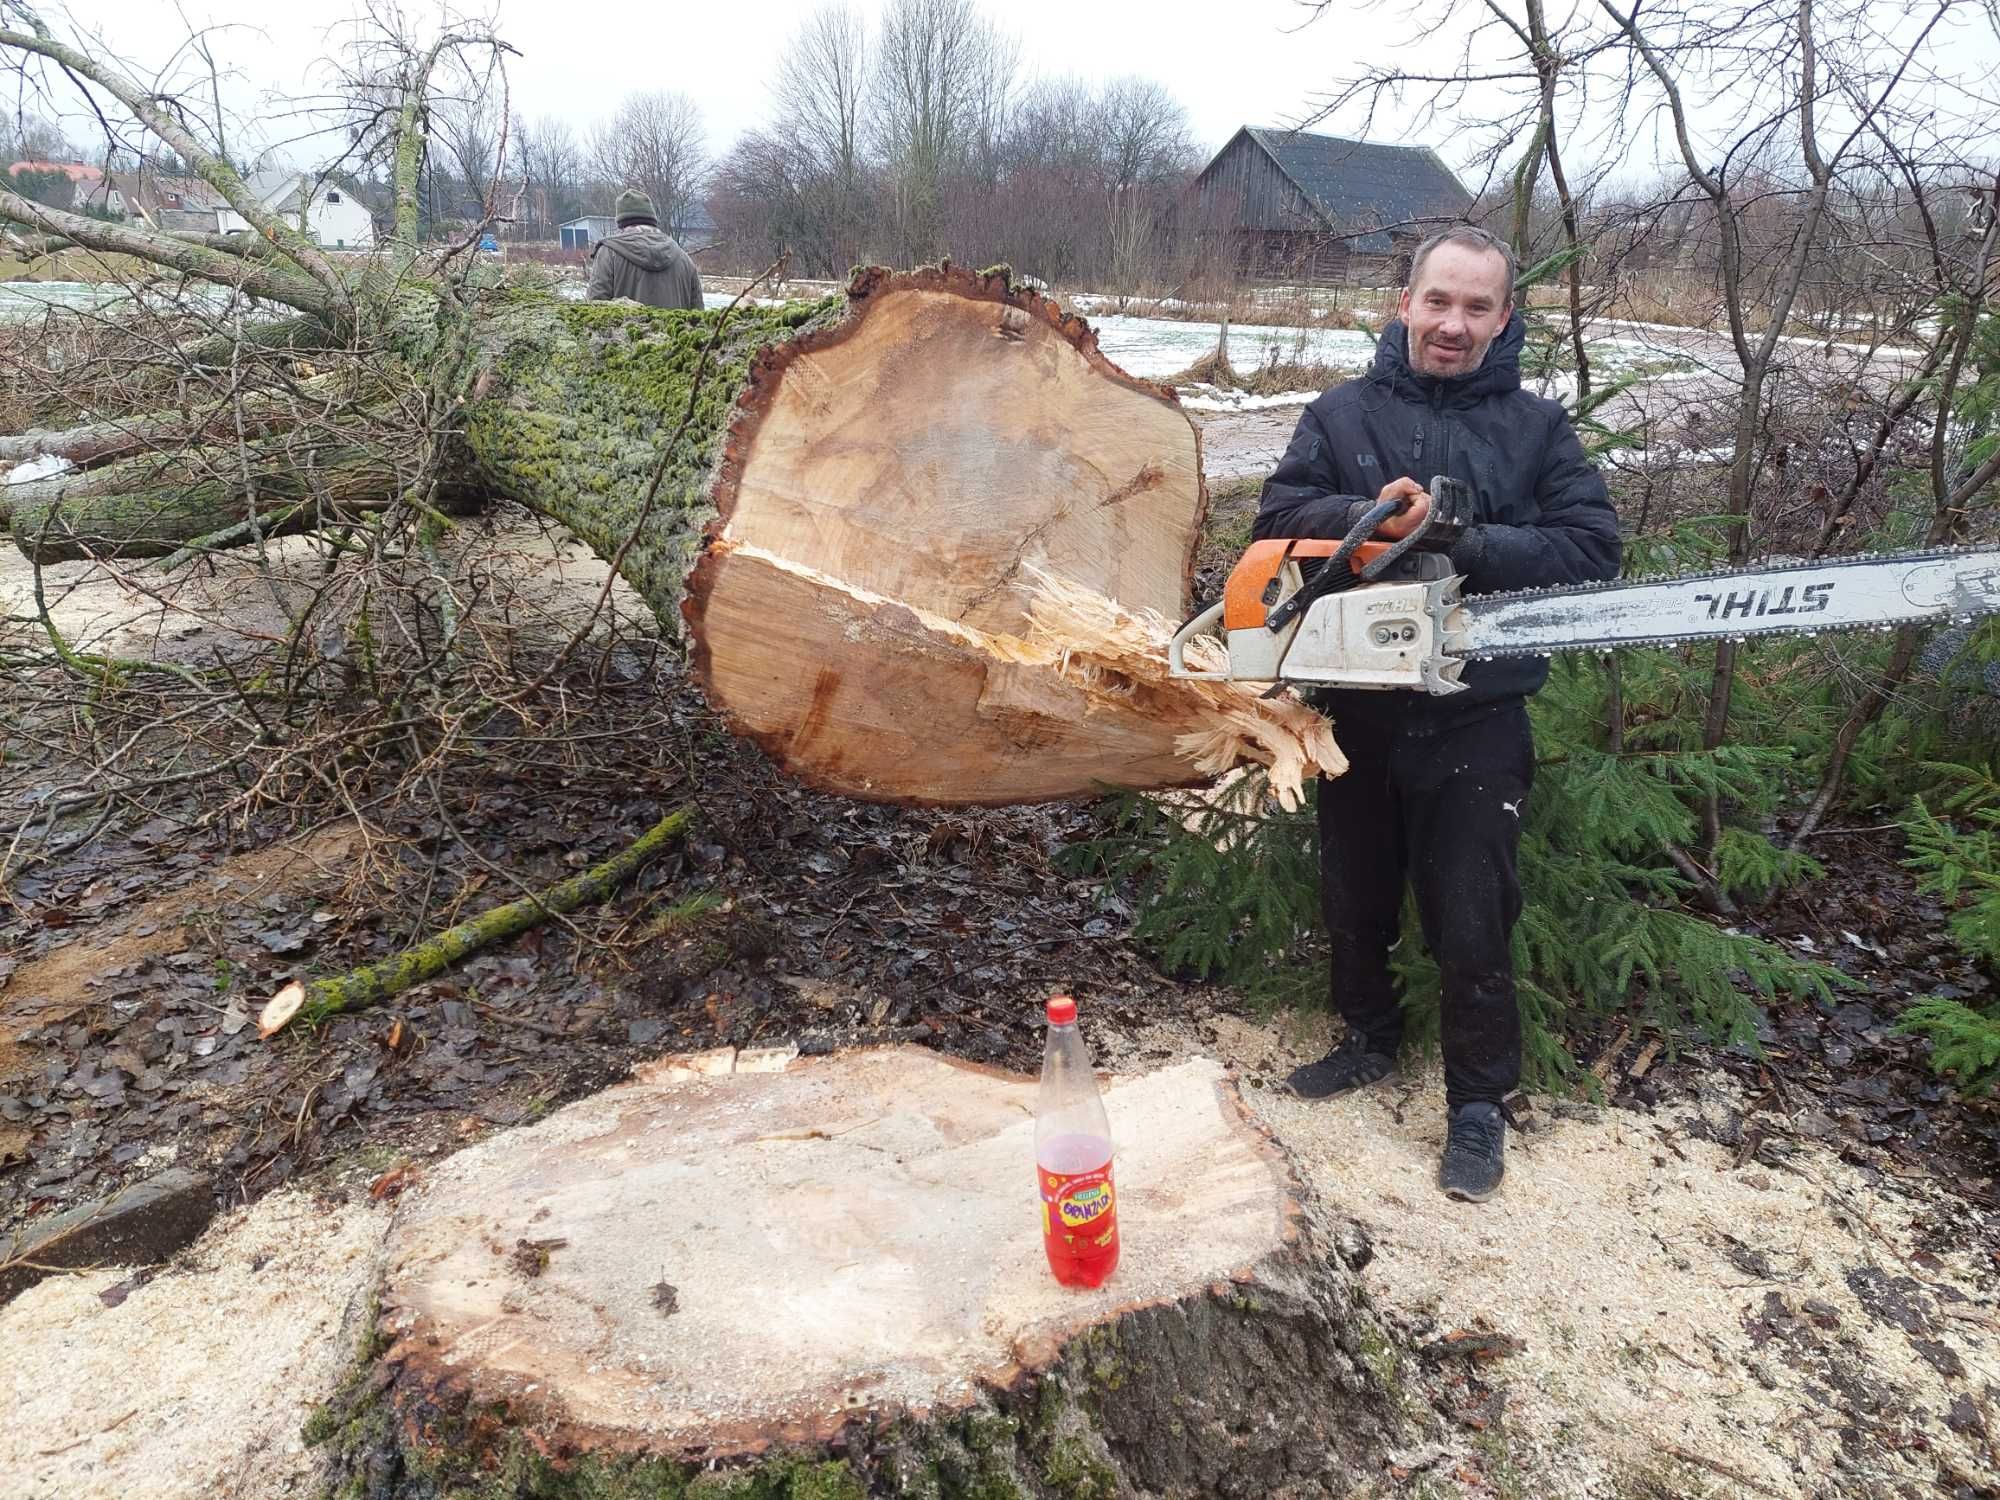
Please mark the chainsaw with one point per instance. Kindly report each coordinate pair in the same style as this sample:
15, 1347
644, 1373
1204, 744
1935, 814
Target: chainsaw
1362, 613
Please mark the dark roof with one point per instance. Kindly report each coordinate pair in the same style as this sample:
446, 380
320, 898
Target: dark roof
1354, 184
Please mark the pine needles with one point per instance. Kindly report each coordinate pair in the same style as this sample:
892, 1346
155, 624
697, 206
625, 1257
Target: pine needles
1228, 889
1962, 868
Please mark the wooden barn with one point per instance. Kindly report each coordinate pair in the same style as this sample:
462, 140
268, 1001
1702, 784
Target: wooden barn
1309, 207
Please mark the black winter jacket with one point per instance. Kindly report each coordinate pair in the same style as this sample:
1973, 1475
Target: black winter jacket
1541, 512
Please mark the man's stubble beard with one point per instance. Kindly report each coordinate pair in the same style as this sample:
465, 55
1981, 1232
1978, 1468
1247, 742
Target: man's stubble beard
1480, 352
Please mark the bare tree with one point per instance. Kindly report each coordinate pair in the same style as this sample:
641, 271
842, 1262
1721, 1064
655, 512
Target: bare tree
1143, 130
803, 185
1145, 152
28, 137
472, 132
551, 171
943, 78
656, 143
820, 94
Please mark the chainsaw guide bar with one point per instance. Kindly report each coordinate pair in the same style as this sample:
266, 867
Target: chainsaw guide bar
1364, 631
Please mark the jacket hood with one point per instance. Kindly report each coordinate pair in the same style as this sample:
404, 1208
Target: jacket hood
646, 247
1498, 373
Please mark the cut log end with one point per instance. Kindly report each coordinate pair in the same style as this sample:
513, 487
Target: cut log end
840, 1264
900, 496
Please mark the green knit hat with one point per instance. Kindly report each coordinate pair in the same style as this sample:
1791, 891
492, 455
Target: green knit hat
634, 207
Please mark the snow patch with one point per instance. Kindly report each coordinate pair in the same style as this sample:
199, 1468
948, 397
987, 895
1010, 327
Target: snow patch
41, 466
1203, 397
1152, 348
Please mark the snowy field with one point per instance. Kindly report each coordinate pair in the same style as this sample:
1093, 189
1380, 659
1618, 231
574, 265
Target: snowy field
22, 300
1154, 348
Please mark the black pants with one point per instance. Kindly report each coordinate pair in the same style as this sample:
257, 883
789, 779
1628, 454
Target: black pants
1438, 804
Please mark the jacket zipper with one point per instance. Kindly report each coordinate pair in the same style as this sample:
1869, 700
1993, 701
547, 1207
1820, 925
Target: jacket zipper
1444, 433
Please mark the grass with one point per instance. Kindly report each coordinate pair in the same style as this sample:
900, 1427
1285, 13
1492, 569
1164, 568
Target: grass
1232, 506
1273, 378
74, 265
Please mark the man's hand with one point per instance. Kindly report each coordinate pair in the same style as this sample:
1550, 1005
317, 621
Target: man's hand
1416, 505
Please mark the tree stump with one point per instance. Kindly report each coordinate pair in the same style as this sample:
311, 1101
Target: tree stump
829, 1280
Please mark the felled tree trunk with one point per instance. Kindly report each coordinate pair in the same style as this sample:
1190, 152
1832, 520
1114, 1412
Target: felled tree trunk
856, 523
922, 540
827, 1280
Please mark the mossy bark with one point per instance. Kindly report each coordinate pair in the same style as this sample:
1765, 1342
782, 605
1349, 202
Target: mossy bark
153, 507
1276, 1382
862, 512
574, 405
586, 400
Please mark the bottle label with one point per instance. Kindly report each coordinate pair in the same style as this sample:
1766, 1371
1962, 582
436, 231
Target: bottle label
1080, 1208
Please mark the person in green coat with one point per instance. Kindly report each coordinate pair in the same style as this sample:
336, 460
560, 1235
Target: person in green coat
641, 262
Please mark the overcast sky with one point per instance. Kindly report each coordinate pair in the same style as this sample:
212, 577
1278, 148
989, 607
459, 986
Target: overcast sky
1230, 62
1234, 63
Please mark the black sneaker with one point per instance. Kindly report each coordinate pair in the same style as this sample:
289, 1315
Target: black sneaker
1474, 1152
1348, 1066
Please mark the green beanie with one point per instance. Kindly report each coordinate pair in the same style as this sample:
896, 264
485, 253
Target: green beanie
635, 207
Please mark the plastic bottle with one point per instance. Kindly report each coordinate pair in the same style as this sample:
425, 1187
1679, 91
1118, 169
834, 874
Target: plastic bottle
1073, 1158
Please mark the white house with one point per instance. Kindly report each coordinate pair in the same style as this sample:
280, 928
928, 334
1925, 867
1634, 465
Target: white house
333, 217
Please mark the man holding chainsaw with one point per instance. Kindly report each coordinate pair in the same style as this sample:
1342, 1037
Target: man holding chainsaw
1437, 786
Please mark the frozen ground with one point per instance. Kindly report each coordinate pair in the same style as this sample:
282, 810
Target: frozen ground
22, 300
1668, 1315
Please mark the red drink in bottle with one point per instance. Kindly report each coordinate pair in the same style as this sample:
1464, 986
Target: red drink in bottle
1073, 1158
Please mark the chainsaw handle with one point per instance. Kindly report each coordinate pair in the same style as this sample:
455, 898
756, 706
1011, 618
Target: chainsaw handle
1196, 625
1373, 569
1335, 574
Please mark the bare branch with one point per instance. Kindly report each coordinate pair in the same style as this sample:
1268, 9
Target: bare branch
211, 168
186, 256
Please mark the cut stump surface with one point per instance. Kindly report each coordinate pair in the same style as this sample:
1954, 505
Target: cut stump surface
855, 1232
828, 1280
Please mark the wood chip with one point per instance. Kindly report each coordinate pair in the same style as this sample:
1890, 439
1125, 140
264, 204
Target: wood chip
1605, 1059
279, 1009
391, 1182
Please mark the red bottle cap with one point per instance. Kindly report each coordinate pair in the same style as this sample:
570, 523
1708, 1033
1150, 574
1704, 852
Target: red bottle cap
1062, 1010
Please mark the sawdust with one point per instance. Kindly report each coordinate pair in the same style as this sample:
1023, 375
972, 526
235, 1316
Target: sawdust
1688, 1327
1671, 1303
196, 1383
58, 985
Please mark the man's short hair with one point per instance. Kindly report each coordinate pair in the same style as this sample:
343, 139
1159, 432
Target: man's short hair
1473, 238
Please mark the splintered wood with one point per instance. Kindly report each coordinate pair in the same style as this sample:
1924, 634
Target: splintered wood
1121, 655
951, 536
1080, 703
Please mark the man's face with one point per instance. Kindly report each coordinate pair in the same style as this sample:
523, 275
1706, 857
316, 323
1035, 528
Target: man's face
1456, 309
